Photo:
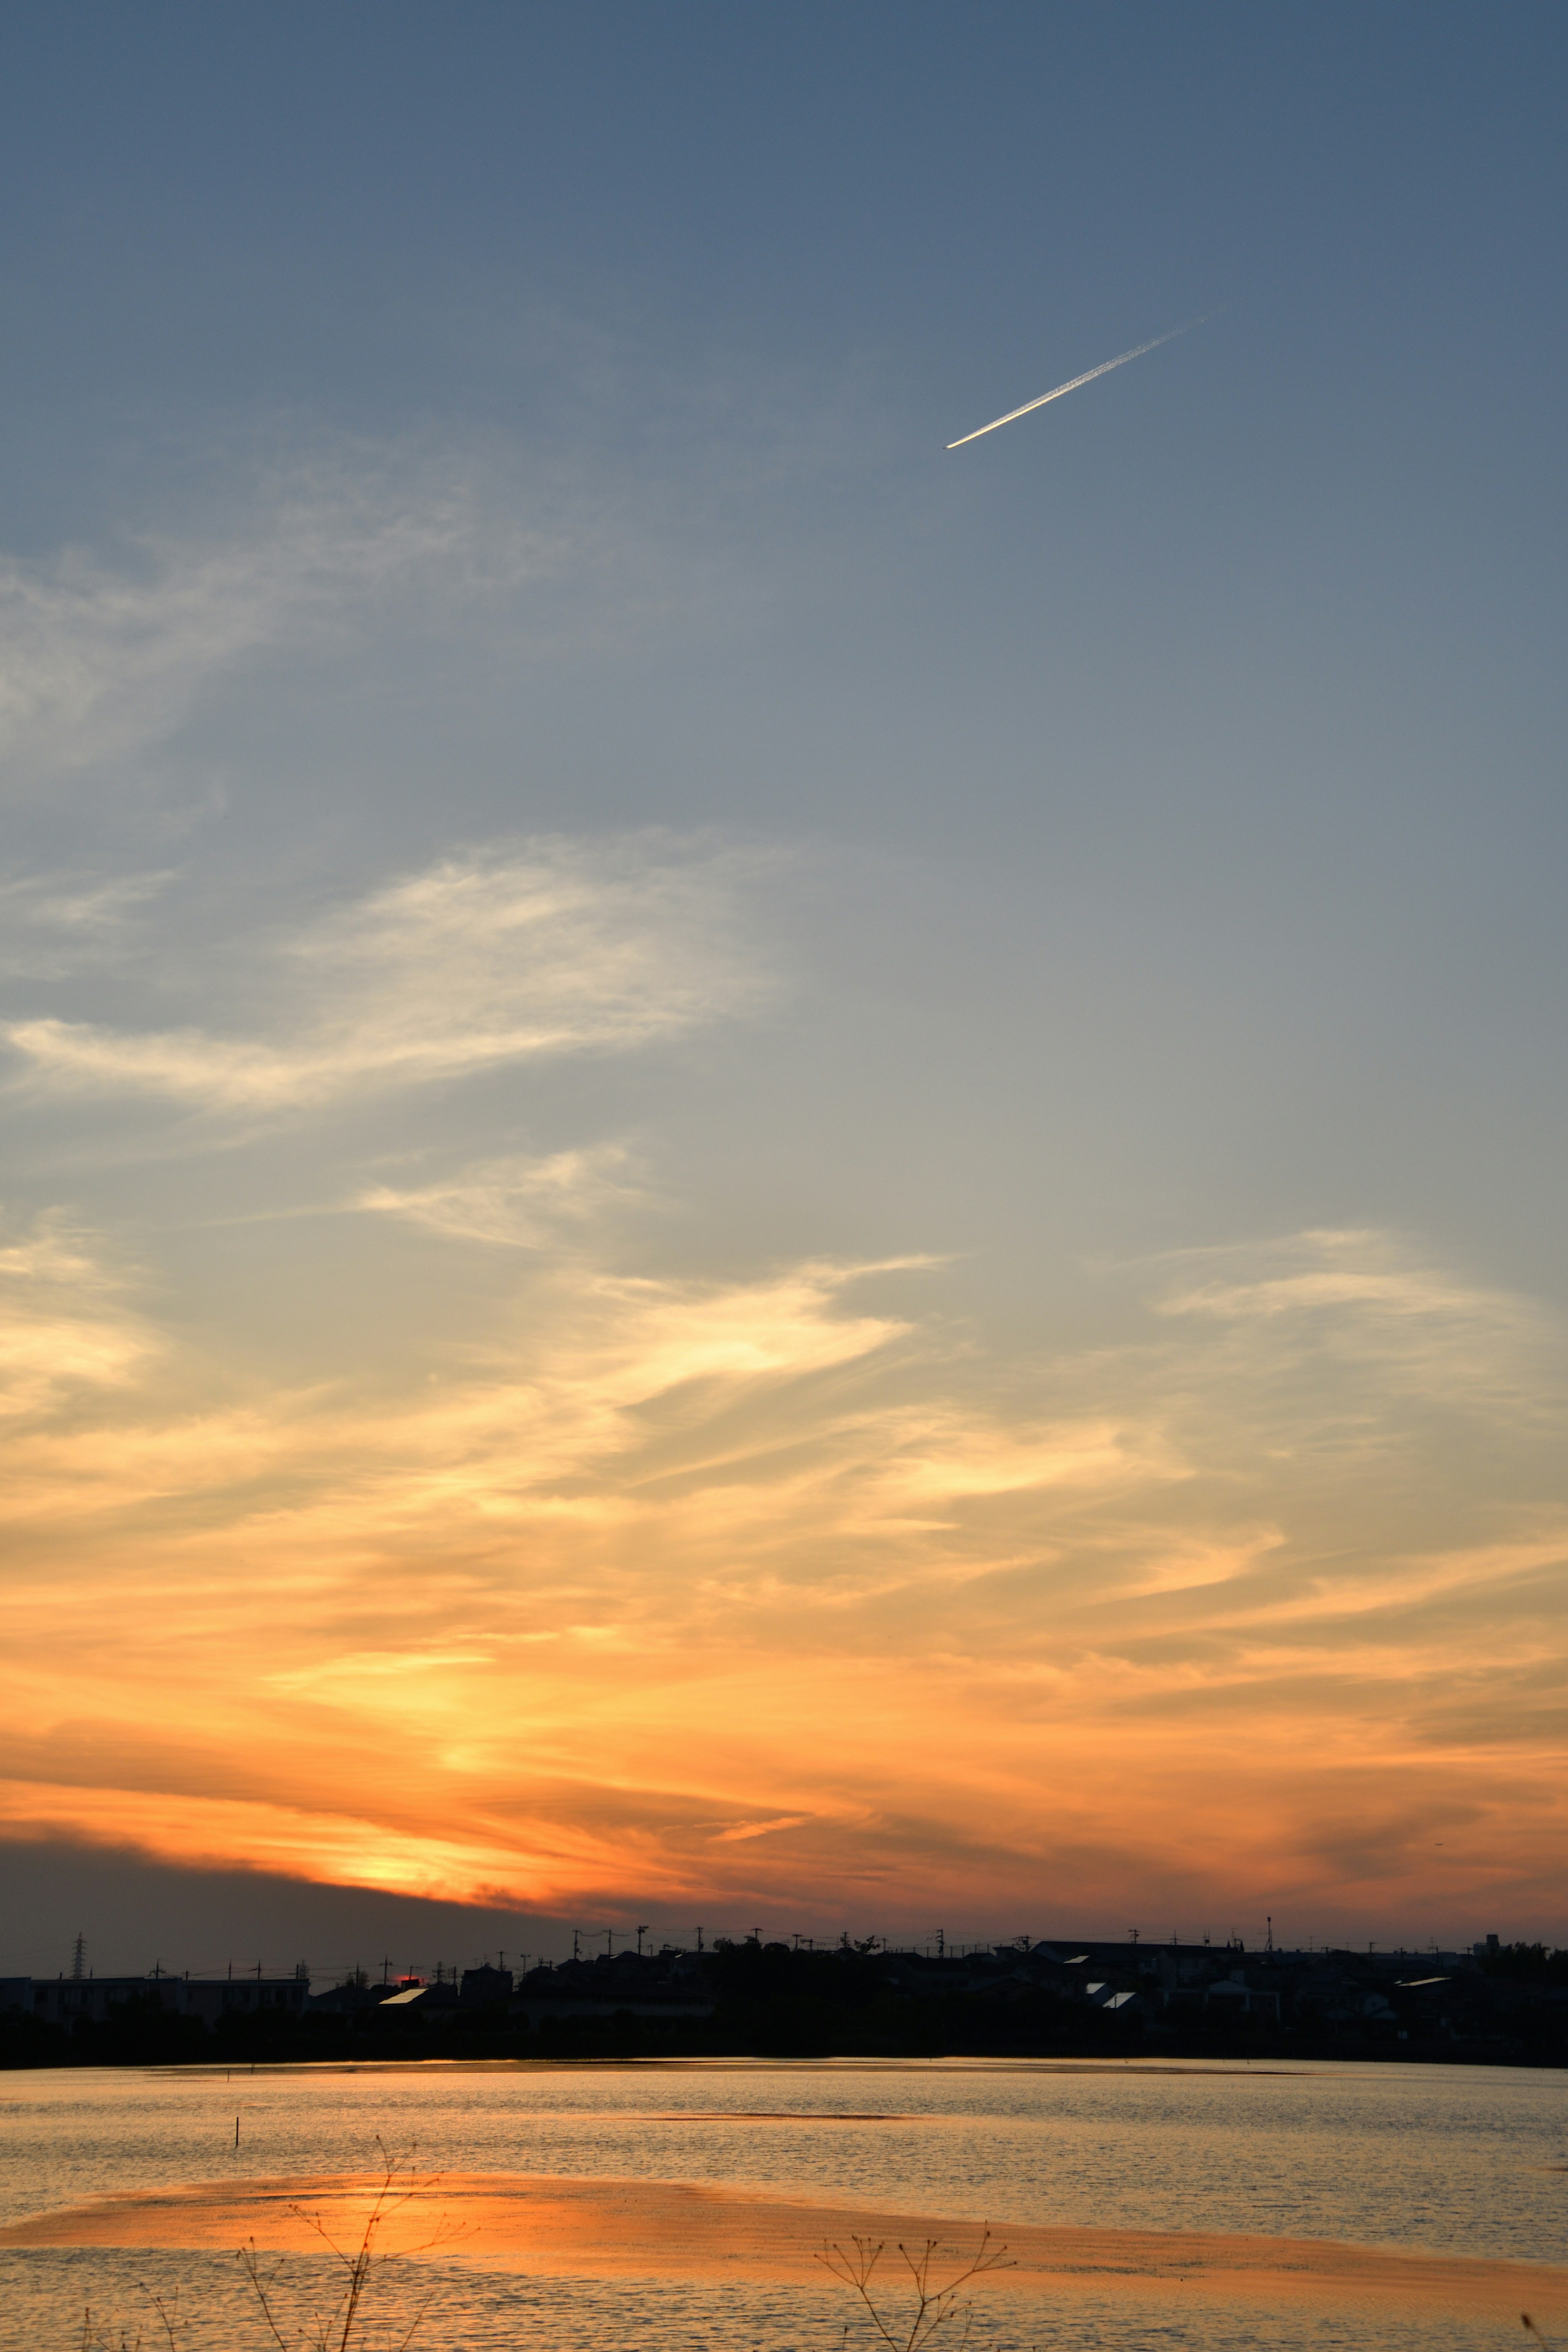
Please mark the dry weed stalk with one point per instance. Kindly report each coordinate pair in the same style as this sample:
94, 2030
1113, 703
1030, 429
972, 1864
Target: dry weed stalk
97, 2336
935, 2306
337, 2330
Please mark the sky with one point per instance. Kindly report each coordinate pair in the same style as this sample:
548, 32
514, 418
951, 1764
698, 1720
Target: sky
755, 1173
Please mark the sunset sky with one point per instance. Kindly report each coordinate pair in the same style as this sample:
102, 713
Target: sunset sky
754, 1173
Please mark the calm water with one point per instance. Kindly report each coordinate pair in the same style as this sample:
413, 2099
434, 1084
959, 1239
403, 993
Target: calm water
1463, 2160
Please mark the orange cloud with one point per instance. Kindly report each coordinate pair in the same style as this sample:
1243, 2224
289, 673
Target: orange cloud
755, 1594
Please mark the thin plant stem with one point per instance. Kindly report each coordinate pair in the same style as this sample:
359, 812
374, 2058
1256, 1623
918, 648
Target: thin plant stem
935, 2305
339, 2328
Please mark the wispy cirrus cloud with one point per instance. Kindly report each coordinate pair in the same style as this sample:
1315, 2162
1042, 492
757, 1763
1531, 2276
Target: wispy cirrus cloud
621, 1380
52, 925
104, 654
515, 1201
551, 946
1404, 1334
745, 1831
65, 1326
714, 1560
1365, 1272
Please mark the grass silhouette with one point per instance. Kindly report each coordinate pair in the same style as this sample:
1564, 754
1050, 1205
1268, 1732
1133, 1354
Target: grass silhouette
935, 2305
340, 2328
337, 2329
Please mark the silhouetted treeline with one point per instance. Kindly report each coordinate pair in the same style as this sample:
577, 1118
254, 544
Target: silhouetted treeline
1506, 2006
1526, 1963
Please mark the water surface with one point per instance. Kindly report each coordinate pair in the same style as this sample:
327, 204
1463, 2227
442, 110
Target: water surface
1470, 2162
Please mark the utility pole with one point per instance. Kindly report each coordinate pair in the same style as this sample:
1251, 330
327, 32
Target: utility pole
642, 1931
576, 1952
609, 1941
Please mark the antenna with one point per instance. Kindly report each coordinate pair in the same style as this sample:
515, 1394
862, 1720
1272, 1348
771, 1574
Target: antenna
78, 1960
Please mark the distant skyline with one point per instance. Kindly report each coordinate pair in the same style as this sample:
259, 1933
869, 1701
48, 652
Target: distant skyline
752, 1170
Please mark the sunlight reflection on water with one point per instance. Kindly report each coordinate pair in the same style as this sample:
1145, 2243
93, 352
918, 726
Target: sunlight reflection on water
1457, 2160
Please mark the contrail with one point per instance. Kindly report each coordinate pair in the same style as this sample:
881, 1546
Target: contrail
1087, 377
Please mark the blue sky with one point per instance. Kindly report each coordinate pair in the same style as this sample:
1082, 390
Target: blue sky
553, 824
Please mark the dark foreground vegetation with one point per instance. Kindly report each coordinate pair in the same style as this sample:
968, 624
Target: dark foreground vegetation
1506, 2006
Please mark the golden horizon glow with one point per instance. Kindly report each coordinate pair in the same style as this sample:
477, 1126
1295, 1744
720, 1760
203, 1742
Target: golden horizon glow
648, 1372
761, 1595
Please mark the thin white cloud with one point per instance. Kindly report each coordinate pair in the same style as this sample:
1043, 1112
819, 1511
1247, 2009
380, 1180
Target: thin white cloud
1366, 1299
515, 1203
1329, 1269
555, 947
99, 658
52, 925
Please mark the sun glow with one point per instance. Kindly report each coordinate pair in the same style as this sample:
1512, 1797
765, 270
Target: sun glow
714, 1593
